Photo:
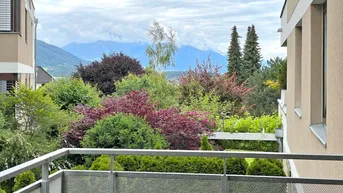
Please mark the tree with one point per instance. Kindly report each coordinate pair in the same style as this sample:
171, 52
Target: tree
161, 52
162, 92
122, 131
234, 55
251, 55
35, 112
282, 74
265, 95
110, 69
70, 92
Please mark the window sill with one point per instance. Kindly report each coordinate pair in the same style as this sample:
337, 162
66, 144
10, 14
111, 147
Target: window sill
298, 112
320, 132
9, 32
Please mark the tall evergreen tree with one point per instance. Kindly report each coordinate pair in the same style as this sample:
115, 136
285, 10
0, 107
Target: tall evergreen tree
251, 55
234, 54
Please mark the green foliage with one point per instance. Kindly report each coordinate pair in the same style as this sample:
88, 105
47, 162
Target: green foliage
265, 167
251, 55
2, 121
122, 131
23, 180
162, 92
161, 52
70, 92
282, 75
264, 98
237, 166
2, 191
103, 163
267, 146
79, 167
205, 145
234, 54
36, 113
207, 102
182, 164
14, 150
252, 124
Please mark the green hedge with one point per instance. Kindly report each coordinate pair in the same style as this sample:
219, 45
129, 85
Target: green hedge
23, 180
267, 146
251, 124
103, 163
182, 164
265, 167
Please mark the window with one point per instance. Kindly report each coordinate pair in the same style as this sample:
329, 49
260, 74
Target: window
298, 70
5, 16
10, 15
3, 86
324, 87
25, 25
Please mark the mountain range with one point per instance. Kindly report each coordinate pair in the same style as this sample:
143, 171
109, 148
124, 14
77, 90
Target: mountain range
61, 61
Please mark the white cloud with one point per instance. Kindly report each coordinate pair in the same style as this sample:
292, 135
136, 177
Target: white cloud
200, 23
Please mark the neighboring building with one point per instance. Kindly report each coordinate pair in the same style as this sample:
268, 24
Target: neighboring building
17, 43
312, 30
43, 77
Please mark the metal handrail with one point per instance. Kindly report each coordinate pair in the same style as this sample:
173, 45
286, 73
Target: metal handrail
12, 172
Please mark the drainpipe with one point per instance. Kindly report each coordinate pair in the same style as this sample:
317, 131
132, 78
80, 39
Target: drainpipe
35, 66
279, 137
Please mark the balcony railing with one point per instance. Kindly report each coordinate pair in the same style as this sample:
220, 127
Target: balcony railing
70, 181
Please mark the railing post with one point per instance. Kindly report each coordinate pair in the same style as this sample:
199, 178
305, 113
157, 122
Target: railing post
224, 178
111, 176
45, 178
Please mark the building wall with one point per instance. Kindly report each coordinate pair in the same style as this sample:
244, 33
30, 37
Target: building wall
291, 7
16, 54
17, 49
304, 48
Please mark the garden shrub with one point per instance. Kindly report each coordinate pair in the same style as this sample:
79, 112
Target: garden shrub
104, 163
236, 166
182, 164
110, 69
251, 124
205, 145
122, 131
265, 167
207, 102
181, 129
70, 92
267, 146
79, 167
2, 191
162, 92
23, 180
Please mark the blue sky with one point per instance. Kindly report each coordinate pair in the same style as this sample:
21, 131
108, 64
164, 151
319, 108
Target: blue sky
205, 24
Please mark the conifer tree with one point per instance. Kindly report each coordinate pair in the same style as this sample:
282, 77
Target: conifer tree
234, 54
251, 55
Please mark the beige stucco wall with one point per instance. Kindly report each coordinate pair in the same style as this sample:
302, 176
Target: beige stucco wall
300, 138
13, 47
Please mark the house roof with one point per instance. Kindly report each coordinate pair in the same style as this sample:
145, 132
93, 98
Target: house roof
43, 76
283, 8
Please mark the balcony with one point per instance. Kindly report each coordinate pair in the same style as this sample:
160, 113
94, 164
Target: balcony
71, 181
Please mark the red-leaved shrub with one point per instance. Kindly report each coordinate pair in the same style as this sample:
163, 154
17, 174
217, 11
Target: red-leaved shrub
182, 130
208, 79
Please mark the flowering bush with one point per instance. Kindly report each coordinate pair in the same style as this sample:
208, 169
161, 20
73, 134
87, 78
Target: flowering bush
181, 130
